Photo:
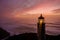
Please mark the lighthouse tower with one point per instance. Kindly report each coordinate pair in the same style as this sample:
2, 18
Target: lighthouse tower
41, 28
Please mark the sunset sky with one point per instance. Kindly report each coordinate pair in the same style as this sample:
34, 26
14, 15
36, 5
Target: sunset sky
11, 7
15, 13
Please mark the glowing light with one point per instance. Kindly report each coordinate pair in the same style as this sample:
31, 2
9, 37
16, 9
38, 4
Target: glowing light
41, 21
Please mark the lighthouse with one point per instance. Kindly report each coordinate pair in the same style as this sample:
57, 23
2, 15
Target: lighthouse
41, 28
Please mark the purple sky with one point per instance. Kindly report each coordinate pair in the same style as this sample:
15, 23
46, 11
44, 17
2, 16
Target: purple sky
10, 7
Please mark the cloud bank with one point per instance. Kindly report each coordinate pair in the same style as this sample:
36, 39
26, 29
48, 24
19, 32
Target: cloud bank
11, 7
56, 11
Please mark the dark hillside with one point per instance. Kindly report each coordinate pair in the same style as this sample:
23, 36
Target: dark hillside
32, 36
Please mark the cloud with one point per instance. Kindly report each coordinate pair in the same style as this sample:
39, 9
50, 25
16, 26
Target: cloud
9, 7
56, 11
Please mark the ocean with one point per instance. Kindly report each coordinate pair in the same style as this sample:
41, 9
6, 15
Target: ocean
28, 23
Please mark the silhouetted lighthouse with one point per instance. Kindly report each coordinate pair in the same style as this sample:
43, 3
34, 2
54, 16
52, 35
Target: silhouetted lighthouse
41, 28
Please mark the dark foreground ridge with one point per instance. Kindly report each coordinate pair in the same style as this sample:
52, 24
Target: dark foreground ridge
26, 36
32, 36
3, 34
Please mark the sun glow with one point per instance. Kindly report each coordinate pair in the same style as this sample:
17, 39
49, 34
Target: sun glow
38, 11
